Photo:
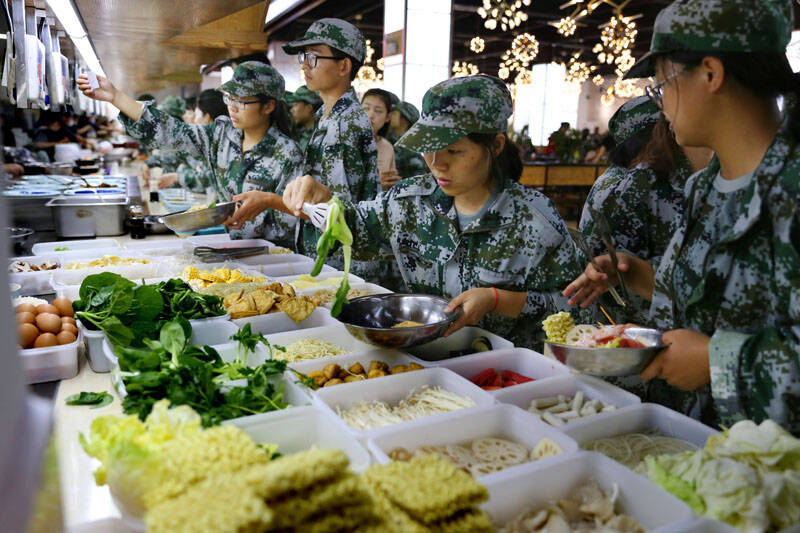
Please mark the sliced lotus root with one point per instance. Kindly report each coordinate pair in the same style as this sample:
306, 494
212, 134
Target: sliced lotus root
483, 469
575, 334
400, 454
500, 451
546, 448
433, 450
461, 455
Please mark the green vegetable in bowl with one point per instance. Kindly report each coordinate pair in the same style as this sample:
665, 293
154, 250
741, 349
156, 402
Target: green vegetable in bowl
336, 231
95, 399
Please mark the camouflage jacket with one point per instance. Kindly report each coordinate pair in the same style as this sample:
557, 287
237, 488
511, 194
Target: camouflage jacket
747, 296
519, 244
408, 163
303, 136
341, 155
268, 166
166, 160
643, 212
195, 176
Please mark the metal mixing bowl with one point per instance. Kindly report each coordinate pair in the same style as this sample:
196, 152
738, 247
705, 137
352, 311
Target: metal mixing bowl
184, 222
607, 362
370, 319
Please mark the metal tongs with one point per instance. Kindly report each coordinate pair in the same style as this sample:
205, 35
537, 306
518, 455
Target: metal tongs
317, 213
603, 229
216, 255
580, 241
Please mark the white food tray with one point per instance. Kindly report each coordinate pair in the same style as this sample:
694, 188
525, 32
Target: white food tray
50, 364
638, 418
64, 278
533, 487
223, 240
299, 429
568, 385
392, 389
371, 287
75, 246
390, 357
500, 421
268, 259
439, 350
150, 247
520, 360
353, 279
280, 321
33, 283
282, 270
333, 333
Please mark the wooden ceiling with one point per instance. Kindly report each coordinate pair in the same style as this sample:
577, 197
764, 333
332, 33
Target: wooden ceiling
151, 44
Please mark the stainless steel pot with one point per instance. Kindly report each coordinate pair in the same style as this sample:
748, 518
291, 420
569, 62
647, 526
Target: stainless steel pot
89, 217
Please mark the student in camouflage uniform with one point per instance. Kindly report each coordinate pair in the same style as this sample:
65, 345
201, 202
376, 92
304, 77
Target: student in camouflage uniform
341, 153
250, 152
409, 163
467, 230
304, 106
167, 160
728, 286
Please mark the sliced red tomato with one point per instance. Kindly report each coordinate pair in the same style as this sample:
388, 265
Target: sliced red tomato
484, 378
513, 376
491, 387
629, 343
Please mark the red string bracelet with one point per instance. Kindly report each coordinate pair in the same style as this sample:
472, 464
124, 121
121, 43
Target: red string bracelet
496, 299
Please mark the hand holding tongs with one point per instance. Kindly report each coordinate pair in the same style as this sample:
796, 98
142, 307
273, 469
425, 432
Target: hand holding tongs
580, 241
318, 213
603, 229
215, 255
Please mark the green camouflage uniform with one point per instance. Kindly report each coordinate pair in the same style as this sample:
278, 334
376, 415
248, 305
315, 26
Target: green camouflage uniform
408, 163
304, 94
168, 160
341, 153
732, 269
195, 176
268, 166
520, 243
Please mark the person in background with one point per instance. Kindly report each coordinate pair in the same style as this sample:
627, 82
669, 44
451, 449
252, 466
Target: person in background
304, 106
400, 121
250, 151
467, 230
409, 164
341, 153
188, 115
167, 160
209, 106
51, 131
377, 104
726, 291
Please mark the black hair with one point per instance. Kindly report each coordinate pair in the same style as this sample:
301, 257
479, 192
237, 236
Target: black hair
766, 75
145, 97
280, 117
210, 101
662, 153
355, 64
623, 154
507, 163
387, 101
191, 102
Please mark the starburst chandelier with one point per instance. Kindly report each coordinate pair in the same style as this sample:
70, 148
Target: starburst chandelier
598, 80
608, 97
368, 76
524, 48
505, 14
477, 45
566, 26
578, 71
464, 68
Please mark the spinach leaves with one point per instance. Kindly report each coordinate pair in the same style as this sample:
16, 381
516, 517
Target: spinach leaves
95, 399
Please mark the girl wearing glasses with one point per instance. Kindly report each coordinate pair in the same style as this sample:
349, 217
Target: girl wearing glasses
728, 288
250, 151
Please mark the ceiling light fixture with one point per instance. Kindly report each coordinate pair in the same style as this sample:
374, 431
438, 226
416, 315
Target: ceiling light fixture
67, 15
507, 15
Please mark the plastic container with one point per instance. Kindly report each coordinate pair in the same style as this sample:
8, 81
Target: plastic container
94, 348
273, 259
393, 389
520, 360
323, 276
151, 247
282, 270
371, 288
333, 333
439, 350
568, 384
50, 364
33, 282
280, 322
302, 428
223, 240
639, 418
63, 277
500, 421
42, 248
390, 357
532, 486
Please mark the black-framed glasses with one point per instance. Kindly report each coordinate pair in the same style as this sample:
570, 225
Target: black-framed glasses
656, 92
237, 104
310, 58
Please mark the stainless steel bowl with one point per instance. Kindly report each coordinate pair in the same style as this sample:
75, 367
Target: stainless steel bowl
184, 222
370, 319
18, 235
611, 361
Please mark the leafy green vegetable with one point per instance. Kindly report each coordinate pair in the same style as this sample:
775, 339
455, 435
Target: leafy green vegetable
336, 230
95, 399
247, 341
61, 248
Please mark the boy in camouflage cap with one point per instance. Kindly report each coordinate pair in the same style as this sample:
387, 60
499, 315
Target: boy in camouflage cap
726, 290
341, 152
408, 163
173, 105
304, 106
250, 152
503, 254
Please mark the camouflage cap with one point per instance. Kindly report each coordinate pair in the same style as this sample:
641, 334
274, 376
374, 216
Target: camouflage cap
336, 33
253, 78
304, 94
718, 26
408, 110
394, 98
172, 105
632, 118
456, 107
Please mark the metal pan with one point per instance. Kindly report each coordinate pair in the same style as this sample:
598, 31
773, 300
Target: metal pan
185, 222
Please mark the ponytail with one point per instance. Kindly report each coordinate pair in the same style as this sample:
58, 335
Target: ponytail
507, 163
281, 119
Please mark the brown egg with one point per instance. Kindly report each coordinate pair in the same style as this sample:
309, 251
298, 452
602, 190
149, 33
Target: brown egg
65, 326
64, 306
66, 337
45, 340
48, 323
68, 320
22, 308
27, 334
47, 308
26, 317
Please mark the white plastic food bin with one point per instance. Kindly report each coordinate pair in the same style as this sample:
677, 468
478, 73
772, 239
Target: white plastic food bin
282, 270
390, 357
308, 291
280, 322
500, 421
393, 389
37, 282
439, 350
301, 428
333, 333
530, 486
50, 364
75, 246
